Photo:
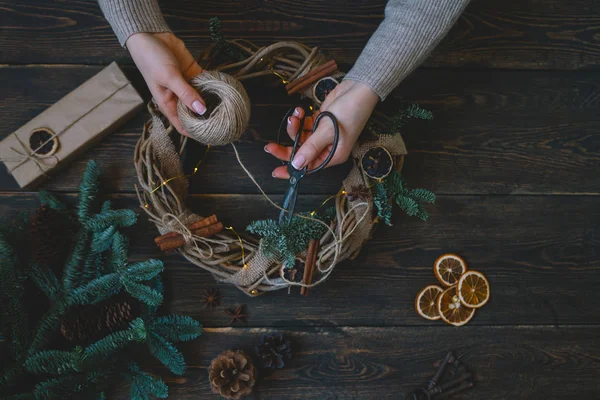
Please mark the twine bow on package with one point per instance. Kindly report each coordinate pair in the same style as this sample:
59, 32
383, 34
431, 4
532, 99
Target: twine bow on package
73, 124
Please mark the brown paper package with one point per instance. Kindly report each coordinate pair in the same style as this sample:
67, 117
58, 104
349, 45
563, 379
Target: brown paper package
78, 121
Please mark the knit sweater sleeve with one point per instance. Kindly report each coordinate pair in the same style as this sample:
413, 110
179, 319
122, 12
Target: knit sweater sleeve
127, 17
409, 32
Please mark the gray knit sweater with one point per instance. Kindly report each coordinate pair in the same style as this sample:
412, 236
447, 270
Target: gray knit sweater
410, 30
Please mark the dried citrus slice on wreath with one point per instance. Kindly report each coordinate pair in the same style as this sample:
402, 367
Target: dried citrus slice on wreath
426, 302
452, 310
473, 289
448, 268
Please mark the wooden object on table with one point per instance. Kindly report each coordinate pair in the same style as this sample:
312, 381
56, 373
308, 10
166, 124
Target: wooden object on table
311, 77
192, 227
309, 266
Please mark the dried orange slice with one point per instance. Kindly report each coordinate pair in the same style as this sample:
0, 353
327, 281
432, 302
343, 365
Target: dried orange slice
473, 289
448, 268
426, 302
452, 310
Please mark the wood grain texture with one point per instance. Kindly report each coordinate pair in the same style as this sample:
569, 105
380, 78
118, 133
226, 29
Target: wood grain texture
500, 132
535, 34
386, 363
539, 253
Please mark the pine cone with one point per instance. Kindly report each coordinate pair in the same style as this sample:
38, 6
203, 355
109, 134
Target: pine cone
90, 323
273, 350
232, 375
47, 233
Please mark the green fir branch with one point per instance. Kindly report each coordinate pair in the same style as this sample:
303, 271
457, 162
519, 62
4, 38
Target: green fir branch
51, 201
88, 189
285, 241
177, 328
382, 203
166, 353
391, 126
145, 386
45, 279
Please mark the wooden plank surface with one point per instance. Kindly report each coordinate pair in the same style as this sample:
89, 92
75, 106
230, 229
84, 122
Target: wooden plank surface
521, 362
500, 132
534, 34
539, 253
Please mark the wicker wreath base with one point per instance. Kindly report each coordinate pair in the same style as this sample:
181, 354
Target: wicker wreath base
239, 259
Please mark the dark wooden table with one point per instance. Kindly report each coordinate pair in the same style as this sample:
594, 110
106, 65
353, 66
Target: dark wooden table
513, 154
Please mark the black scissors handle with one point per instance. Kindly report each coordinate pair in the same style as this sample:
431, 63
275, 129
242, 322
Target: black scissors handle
289, 201
336, 138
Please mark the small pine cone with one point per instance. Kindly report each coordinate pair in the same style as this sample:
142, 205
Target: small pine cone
47, 233
90, 323
273, 350
232, 375
81, 324
116, 315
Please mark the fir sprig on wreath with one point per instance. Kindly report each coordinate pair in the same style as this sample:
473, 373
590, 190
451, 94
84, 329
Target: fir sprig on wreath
37, 363
394, 189
391, 126
216, 34
286, 240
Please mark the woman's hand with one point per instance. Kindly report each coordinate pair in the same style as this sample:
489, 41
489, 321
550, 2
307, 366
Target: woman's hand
166, 65
352, 103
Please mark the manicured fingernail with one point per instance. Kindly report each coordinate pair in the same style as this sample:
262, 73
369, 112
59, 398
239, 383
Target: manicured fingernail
299, 161
296, 112
273, 174
267, 150
289, 120
199, 107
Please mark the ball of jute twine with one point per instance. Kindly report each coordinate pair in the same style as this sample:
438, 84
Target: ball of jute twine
226, 120
230, 258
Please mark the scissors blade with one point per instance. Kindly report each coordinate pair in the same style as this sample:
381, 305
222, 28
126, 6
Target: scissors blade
289, 203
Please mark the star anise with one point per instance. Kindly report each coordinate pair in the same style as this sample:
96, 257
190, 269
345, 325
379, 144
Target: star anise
211, 297
237, 315
359, 193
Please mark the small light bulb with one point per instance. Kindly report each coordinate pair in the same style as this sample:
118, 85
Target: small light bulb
312, 213
310, 108
195, 169
254, 291
343, 192
245, 265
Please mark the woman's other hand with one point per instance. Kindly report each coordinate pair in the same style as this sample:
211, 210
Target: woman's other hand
167, 65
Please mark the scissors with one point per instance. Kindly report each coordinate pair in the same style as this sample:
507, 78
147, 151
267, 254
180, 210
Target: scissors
289, 201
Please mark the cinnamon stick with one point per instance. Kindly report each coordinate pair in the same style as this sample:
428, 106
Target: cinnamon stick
309, 266
311, 77
178, 241
192, 227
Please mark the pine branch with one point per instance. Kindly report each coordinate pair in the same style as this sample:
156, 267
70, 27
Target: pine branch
216, 34
144, 293
88, 189
166, 353
51, 201
107, 346
45, 279
53, 362
96, 290
114, 218
382, 203
423, 195
392, 125
177, 328
143, 271
285, 241
119, 252
71, 273
144, 385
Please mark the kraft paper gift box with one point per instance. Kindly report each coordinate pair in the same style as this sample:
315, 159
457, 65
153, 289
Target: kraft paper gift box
70, 126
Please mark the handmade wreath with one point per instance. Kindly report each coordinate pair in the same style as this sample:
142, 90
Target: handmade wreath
318, 240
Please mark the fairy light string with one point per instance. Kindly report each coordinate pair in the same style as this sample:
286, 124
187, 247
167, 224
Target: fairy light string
163, 183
